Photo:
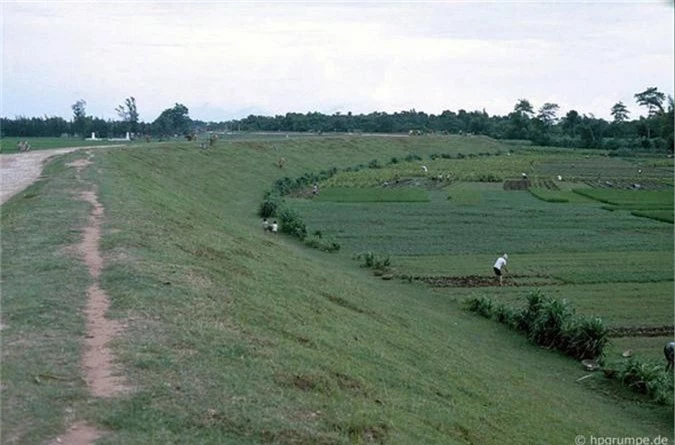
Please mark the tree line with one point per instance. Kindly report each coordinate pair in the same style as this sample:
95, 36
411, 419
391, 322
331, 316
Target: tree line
542, 126
172, 121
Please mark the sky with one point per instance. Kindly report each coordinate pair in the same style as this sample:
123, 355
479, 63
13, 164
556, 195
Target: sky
227, 60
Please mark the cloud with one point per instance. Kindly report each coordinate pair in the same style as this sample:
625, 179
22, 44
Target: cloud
232, 57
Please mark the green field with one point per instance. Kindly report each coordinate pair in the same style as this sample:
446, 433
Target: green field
235, 335
354, 194
9, 144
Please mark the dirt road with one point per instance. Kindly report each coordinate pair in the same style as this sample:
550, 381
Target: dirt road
19, 170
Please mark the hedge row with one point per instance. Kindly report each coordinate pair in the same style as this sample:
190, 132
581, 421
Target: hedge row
550, 323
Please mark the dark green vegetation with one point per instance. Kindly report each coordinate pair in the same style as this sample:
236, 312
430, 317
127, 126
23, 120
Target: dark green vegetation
550, 323
235, 335
543, 126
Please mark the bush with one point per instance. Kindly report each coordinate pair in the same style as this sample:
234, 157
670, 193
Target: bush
268, 207
482, 306
317, 242
548, 327
550, 323
505, 315
283, 186
648, 378
587, 339
374, 164
372, 261
292, 224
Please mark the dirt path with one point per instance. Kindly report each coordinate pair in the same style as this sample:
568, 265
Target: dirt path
19, 170
97, 360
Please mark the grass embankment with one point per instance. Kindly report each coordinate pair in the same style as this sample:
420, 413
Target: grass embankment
235, 335
44, 287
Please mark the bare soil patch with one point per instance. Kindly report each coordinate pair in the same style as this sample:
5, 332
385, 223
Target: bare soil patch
642, 331
78, 434
19, 170
97, 360
519, 184
485, 281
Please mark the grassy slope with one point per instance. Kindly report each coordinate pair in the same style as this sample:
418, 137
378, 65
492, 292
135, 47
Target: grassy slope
43, 290
237, 336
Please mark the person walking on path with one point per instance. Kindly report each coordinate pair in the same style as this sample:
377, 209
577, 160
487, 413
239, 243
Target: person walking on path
500, 267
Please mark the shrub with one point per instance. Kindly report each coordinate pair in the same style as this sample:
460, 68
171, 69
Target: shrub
480, 305
587, 339
292, 223
374, 164
325, 246
550, 323
372, 261
269, 206
504, 314
647, 377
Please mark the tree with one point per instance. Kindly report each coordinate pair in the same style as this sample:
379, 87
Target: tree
524, 108
129, 114
173, 121
547, 113
79, 117
651, 98
619, 112
570, 122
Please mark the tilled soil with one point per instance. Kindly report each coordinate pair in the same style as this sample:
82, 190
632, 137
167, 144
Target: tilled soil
484, 281
642, 331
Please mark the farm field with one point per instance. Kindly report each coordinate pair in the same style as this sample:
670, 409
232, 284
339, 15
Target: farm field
235, 335
561, 239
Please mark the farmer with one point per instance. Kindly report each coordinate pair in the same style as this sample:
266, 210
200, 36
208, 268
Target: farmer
500, 265
275, 227
315, 189
265, 225
669, 352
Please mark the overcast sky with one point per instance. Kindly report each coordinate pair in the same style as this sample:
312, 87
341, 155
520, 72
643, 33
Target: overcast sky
226, 60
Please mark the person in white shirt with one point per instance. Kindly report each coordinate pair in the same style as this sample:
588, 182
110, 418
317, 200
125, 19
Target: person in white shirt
500, 265
669, 351
275, 227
